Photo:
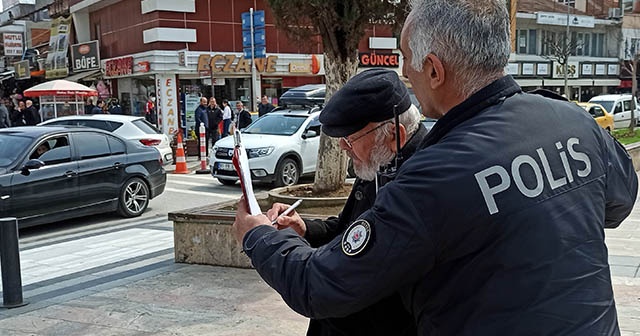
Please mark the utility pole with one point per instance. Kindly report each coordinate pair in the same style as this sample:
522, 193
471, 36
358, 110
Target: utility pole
513, 10
566, 61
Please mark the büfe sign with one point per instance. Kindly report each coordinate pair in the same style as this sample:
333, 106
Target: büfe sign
85, 56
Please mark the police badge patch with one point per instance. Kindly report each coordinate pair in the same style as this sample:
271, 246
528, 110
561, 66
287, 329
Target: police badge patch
356, 237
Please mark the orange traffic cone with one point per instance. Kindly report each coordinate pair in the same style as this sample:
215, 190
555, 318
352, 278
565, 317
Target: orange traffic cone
181, 160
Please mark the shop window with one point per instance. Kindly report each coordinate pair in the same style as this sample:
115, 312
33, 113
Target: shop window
527, 43
597, 45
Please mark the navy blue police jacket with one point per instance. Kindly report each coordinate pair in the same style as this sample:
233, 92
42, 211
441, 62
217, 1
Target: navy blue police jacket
494, 227
387, 316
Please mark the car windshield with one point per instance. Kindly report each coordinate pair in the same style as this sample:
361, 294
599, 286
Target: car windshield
276, 124
11, 146
145, 126
607, 104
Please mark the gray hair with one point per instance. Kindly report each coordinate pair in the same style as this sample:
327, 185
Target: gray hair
410, 119
469, 37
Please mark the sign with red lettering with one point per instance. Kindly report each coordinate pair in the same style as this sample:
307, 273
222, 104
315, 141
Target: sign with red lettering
375, 60
12, 44
119, 67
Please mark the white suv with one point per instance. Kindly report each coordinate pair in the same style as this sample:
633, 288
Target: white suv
621, 106
281, 147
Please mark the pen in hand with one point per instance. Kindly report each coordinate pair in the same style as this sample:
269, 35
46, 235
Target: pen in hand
286, 212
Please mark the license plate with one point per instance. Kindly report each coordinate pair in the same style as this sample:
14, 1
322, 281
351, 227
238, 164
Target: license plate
225, 166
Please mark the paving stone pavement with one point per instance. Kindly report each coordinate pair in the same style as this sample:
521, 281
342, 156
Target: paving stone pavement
146, 293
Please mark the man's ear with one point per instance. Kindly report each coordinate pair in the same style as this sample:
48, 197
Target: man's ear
403, 137
434, 71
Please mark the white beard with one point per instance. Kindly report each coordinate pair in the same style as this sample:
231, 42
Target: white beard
380, 156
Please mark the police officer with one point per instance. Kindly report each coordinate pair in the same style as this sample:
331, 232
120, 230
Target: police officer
495, 226
362, 115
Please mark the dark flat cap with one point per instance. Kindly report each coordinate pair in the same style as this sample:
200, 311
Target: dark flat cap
367, 97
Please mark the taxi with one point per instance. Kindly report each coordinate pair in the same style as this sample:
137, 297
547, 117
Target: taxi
600, 114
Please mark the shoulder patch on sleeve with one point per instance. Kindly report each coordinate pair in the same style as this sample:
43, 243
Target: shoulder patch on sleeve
356, 237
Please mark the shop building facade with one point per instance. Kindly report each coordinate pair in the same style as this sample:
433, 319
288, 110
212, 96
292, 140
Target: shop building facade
197, 47
592, 48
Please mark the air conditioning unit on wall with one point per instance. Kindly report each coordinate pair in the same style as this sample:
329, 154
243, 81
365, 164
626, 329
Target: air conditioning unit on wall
615, 13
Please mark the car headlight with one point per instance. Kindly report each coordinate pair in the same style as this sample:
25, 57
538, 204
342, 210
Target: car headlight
258, 152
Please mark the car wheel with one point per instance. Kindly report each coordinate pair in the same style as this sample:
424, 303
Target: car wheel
287, 173
227, 182
134, 198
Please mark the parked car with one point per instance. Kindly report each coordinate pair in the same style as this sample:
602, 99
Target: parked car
281, 146
600, 114
52, 173
621, 106
128, 127
310, 94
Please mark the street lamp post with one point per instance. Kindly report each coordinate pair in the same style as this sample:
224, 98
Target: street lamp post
566, 60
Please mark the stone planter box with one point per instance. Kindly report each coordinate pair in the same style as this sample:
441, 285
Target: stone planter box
634, 151
203, 235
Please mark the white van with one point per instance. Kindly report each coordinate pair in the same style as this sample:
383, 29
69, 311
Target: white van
621, 106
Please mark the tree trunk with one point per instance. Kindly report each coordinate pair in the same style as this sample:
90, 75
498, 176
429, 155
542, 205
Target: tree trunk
331, 169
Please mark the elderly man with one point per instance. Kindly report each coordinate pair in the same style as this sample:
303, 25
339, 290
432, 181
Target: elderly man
369, 138
480, 232
31, 114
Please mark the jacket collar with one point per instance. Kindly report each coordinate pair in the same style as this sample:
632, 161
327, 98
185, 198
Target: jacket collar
407, 150
490, 95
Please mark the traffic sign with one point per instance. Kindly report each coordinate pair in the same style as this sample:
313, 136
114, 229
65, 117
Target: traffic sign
258, 19
260, 52
258, 38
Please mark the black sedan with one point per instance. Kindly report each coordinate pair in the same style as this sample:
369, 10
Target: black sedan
48, 174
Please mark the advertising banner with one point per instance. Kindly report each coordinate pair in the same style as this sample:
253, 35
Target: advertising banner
56, 64
22, 70
13, 45
167, 103
85, 56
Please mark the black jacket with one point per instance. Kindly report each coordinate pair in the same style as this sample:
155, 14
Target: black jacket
494, 227
387, 316
17, 117
32, 116
264, 109
244, 119
215, 117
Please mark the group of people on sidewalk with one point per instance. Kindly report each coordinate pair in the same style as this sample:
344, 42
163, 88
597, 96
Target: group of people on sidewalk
211, 115
102, 107
22, 114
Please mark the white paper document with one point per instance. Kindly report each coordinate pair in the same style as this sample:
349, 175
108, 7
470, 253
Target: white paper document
241, 163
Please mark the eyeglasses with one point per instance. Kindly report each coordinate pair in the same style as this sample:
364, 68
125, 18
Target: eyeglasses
350, 142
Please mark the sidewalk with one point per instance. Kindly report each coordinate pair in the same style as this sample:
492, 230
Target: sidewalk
123, 281
193, 164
